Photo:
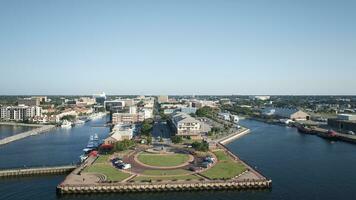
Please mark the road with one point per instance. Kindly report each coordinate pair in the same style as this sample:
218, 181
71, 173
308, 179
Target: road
161, 129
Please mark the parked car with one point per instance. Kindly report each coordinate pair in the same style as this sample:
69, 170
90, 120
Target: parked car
205, 164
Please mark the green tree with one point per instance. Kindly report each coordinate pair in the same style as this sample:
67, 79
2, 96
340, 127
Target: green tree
207, 112
149, 139
200, 146
124, 145
176, 139
69, 117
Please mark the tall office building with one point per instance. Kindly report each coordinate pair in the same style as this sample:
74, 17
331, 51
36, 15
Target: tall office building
100, 98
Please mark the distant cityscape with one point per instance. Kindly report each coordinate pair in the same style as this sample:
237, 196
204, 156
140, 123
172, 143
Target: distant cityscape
335, 111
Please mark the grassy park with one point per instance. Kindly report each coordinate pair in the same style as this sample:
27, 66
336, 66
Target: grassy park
173, 172
225, 168
165, 178
103, 166
163, 160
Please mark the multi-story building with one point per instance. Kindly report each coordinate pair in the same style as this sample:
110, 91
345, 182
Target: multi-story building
203, 103
20, 113
127, 118
29, 101
147, 113
185, 125
162, 99
100, 98
42, 99
343, 122
120, 132
289, 113
66, 113
114, 106
129, 102
85, 101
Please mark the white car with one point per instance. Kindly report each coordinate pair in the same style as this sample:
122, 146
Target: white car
126, 166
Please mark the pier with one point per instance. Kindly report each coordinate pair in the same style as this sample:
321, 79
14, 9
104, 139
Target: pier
41, 129
233, 136
37, 171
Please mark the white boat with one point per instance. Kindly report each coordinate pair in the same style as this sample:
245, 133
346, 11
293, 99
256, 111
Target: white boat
95, 116
83, 158
96, 137
66, 124
79, 122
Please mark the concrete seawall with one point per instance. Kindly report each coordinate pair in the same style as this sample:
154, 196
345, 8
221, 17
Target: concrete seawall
26, 134
20, 124
37, 171
158, 187
233, 136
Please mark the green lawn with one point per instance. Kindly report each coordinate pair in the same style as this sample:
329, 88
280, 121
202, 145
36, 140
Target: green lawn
108, 170
102, 159
225, 168
165, 172
166, 160
153, 178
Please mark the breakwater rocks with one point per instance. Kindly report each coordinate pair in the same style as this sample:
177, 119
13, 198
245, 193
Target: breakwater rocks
41, 129
156, 187
37, 171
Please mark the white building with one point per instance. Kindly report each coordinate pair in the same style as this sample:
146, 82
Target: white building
224, 116
59, 116
185, 125
288, 113
20, 112
263, 98
120, 132
147, 113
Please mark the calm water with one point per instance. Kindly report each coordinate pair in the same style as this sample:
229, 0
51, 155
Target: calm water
301, 166
57, 147
7, 130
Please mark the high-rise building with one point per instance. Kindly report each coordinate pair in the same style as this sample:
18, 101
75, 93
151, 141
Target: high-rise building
163, 99
100, 98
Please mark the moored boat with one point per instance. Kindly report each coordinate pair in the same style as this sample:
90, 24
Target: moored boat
305, 129
330, 135
66, 124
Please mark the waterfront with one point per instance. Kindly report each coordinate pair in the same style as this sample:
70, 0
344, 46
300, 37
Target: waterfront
301, 167
59, 146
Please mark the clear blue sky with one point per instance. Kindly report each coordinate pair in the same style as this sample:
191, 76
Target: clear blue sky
178, 47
